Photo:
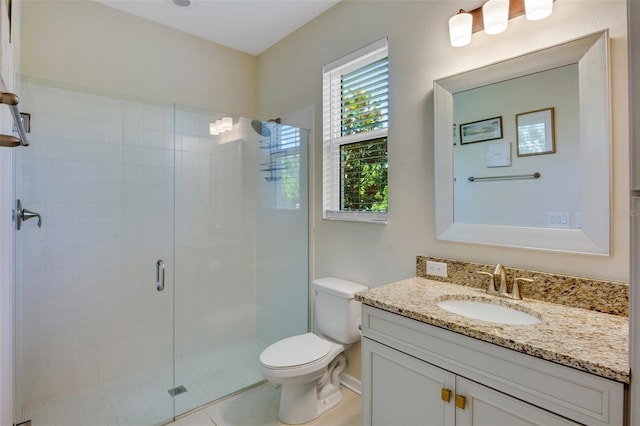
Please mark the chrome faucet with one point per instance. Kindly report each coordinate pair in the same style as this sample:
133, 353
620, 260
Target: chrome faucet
500, 273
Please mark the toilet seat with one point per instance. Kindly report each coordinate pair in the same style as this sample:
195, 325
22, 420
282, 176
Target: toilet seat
296, 351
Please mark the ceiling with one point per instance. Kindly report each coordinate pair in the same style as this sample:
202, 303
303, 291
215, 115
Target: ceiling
251, 26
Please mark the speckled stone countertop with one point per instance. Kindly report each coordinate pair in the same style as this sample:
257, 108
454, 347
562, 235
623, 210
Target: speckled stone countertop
587, 340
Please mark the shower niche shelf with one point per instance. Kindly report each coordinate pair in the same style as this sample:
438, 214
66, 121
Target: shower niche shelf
282, 143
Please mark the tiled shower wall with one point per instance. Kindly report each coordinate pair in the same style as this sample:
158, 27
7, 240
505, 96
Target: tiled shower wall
100, 170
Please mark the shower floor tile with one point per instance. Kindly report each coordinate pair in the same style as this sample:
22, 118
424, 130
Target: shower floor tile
143, 400
259, 407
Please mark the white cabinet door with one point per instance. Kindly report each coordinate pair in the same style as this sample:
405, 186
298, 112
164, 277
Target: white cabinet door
400, 390
487, 407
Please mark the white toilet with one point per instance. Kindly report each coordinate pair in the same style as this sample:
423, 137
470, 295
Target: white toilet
308, 366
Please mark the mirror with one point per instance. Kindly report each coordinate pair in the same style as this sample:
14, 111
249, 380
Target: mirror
529, 163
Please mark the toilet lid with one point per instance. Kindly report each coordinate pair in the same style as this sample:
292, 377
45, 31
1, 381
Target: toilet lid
295, 351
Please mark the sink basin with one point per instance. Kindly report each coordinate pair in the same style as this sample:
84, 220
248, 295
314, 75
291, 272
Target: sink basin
487, 312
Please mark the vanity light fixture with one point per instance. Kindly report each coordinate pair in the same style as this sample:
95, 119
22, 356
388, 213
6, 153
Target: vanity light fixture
220, 126
538, 9
460, 29
493, 17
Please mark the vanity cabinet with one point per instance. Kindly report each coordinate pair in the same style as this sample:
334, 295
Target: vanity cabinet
417, 374
405, 391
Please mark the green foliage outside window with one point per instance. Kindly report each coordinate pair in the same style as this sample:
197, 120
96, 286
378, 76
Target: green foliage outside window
364, 176
359, 113
290, 181
364, 164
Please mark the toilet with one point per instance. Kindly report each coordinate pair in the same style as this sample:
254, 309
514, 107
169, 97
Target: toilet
308, 366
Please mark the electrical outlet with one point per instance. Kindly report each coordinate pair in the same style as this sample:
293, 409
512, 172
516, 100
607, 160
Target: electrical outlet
438, 269
558, 220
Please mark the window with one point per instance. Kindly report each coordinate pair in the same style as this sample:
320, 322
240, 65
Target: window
355, 127
288, 158
281, 146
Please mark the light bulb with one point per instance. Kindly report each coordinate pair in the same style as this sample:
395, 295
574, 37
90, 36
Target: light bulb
227, 123
460, 29
538, 9
496, 16
213, 130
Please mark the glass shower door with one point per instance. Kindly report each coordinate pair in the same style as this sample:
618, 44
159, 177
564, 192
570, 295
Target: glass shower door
121, 185
241, 250
94, 336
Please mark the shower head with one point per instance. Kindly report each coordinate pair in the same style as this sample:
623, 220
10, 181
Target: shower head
260, 128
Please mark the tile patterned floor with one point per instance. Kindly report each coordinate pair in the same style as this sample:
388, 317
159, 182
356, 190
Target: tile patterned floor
259, 407
144, 400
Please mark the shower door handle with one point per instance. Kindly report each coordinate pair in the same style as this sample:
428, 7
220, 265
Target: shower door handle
23, 214
160, 275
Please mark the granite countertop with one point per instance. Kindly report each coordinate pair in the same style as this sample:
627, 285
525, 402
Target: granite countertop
587, 340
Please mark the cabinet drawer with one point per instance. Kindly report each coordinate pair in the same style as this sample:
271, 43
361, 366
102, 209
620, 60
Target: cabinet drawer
581, 396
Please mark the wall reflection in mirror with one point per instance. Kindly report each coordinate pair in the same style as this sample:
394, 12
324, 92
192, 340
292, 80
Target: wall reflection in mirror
553, 200
529, 164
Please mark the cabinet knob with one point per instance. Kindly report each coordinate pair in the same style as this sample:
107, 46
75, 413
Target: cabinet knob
445, 395
461, 401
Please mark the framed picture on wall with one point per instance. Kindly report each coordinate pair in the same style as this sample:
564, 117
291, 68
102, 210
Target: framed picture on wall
480, 131
535, 132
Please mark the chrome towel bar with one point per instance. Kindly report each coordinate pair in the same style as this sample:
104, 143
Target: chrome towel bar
535, 175
12, 101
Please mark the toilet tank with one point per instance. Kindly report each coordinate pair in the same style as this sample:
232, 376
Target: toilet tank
337, 312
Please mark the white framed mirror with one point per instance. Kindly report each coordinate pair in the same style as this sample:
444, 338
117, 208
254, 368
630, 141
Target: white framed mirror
557, 199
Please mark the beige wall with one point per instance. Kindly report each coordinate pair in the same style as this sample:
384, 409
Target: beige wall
86, 44
290, 76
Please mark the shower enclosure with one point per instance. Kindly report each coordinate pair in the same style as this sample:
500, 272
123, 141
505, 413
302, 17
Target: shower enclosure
168, 258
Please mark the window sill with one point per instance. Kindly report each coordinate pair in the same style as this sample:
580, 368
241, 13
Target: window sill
366, 217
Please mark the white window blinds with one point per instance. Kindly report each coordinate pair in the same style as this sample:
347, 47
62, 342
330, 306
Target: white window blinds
355, 127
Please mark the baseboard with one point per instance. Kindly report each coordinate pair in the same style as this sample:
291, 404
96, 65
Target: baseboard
352, 383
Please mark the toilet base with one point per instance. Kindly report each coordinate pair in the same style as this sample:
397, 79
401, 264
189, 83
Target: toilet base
302, 402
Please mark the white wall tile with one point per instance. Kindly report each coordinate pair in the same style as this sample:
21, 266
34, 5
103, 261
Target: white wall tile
58, 344
153, 138
61, 192
153, 157
109, 173
85, 213
110, 112
108, 193
153, 117
60, 170
87, 108
57, 149
131, 173
59, 256
59, 128
85, 131
132, 114
110, 133
86, 171
132, 136
152, 175
87, 275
